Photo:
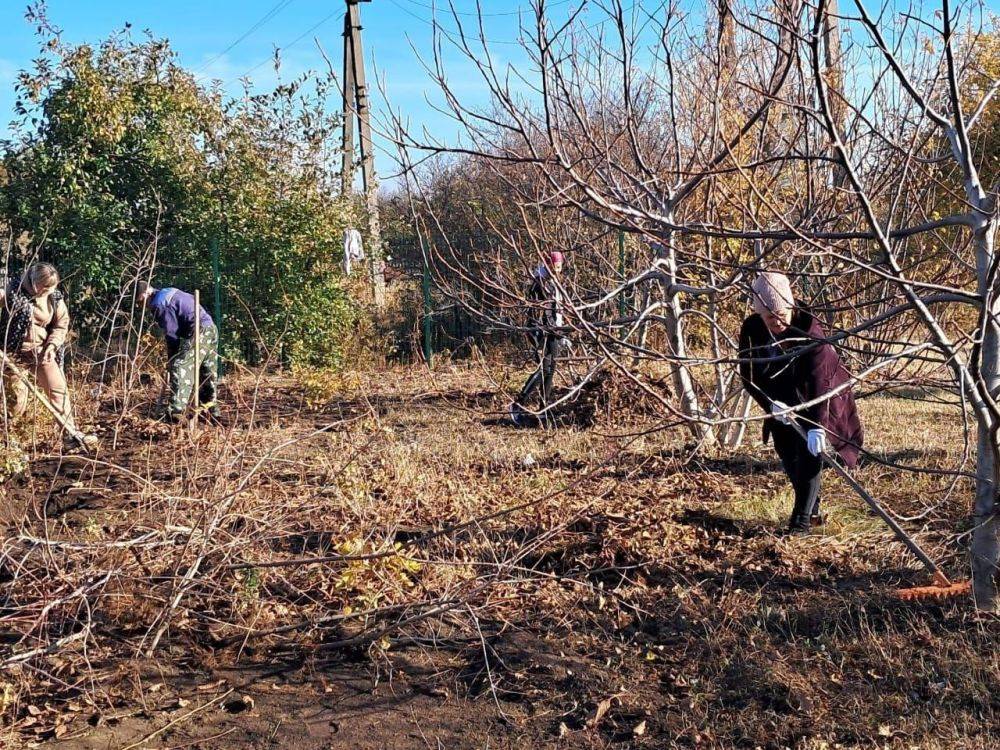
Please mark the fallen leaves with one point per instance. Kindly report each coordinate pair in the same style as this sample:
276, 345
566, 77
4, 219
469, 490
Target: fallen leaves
602, 708
646, 555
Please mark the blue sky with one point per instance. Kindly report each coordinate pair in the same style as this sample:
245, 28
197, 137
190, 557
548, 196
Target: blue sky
217, 39
226, 39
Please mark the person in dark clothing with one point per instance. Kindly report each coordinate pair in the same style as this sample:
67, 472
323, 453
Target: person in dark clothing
174, 312
549, 342
786, 361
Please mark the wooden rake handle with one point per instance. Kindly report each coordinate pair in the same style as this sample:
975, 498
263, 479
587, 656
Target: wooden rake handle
909, 542
23, 376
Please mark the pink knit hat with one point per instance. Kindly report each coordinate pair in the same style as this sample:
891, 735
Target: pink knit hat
555, 257
772, 292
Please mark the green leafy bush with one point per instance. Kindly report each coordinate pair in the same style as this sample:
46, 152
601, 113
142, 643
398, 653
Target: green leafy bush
321, 317
122, 160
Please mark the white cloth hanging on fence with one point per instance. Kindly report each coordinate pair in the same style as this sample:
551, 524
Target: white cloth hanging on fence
353, 249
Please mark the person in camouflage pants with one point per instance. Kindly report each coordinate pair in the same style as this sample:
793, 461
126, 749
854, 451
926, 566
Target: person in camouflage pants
175, 313
181, 369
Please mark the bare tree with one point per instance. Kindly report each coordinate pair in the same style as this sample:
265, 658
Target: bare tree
836, 147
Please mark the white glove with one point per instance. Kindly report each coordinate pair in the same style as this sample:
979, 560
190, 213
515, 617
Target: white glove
780, 406
816, 441
566, 343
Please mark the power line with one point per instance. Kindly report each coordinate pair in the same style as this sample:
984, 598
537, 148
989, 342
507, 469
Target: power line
452, 32
291, 44
410, 13
275, 10
428, 6
420, 18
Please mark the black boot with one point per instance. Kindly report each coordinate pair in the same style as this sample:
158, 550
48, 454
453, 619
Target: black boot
799, 525
209, 409
517, 415
817, 519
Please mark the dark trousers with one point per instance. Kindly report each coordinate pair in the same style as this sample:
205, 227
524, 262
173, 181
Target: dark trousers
802, 468
550, 349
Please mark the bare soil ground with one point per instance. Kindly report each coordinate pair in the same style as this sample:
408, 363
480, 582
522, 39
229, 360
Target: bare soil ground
611, 591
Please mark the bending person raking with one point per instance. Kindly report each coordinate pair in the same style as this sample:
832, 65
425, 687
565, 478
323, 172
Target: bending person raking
786, 361
174, 312
550, 344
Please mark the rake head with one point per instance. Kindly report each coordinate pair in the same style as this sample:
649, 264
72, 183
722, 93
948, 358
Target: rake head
940, 590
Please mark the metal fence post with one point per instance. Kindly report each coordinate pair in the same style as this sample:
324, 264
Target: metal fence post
621, 272
217, 279
428, 347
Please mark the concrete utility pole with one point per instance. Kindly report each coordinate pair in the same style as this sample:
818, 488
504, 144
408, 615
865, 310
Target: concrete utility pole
356, 105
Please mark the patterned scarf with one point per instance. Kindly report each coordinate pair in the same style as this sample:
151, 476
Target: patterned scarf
16, 317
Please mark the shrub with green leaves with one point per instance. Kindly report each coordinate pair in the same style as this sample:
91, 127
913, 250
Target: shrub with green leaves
121, 159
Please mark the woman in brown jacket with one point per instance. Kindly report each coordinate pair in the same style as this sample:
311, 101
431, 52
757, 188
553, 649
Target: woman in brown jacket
35, 306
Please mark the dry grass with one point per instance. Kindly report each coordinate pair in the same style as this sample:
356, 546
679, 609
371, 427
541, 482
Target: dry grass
599, 575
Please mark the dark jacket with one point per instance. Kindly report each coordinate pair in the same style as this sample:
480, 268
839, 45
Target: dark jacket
543, 292
815, 369
174, 314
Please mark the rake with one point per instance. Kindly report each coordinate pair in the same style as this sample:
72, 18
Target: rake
941, 587
23, 376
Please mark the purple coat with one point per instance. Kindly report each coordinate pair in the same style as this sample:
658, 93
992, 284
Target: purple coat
174, 313
770, 375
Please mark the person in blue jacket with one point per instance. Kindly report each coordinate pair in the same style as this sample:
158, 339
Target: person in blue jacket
174, 311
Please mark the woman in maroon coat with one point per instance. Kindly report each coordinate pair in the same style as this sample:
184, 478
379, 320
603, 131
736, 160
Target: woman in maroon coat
785, 361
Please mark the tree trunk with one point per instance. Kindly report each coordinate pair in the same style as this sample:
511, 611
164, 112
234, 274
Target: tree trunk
985, 550
683, 383
736, 431
834, 66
